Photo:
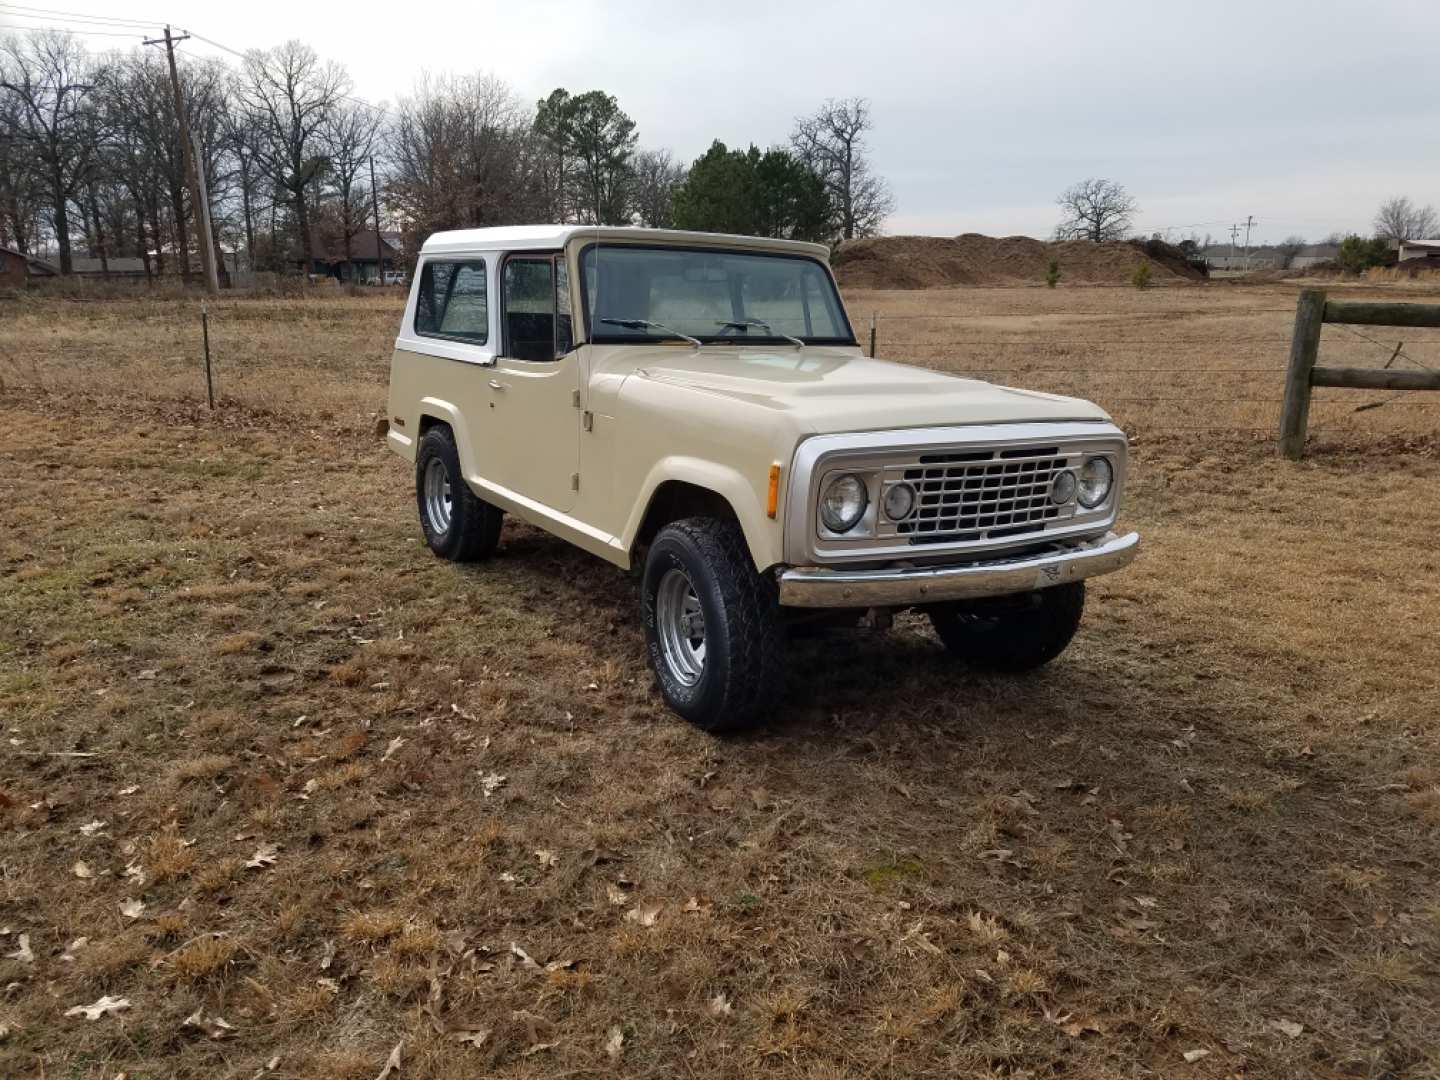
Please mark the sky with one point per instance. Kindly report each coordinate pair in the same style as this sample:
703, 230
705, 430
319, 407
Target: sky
1302, 115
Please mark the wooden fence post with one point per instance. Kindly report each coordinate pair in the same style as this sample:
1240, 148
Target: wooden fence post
872, 335
1304, 348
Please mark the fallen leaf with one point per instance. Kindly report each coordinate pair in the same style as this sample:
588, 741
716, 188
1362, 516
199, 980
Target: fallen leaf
539, 1048
130, 790
647, 914
1075, 1027
81, 869
392, 1063
698, 904
99, 1008
547, 858
470, 1036
1192, 1056
147, 675
1293, 1028
132, 909
615, 1044
215, 1027
719, 1006
23, 953
394, 745
491, 783
68, 956
526, 960
92, 827
264, 856
616, 894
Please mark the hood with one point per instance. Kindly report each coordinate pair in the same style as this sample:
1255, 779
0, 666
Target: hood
824, 391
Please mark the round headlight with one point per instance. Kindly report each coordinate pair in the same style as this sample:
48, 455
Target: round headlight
1096, 476
843, 503
899, 501
1062, 488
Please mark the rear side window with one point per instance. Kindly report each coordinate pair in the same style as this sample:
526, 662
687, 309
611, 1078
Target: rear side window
453, 302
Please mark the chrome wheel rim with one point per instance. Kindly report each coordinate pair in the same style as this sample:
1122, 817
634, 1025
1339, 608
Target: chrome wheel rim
680, 625
437, 496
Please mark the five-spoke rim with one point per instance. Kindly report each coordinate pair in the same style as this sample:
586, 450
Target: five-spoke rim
680, 625
437, 495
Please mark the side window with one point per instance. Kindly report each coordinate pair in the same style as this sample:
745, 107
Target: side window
528, 293
453, 302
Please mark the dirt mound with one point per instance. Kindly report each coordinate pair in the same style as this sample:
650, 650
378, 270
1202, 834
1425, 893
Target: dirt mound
931, 262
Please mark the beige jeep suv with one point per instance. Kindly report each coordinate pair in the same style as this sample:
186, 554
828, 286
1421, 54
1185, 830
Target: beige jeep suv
697, 405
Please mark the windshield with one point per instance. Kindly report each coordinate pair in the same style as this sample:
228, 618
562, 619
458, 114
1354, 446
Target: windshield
668, 294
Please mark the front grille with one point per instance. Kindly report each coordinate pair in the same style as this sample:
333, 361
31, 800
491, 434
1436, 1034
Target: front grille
984, 495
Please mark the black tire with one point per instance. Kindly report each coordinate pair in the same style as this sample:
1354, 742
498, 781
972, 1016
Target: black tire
473, 529
1011, 633
740, 678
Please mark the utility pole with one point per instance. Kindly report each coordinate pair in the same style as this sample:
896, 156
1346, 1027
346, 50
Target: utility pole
1234, 238
202, 217
191, 170
379, 244
1249, 220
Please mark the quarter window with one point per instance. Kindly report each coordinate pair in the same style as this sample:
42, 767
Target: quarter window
453, 302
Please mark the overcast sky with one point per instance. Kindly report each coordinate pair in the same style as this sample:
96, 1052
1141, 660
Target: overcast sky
1304, 113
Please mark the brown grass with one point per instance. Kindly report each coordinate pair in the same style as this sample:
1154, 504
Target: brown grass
1217, 811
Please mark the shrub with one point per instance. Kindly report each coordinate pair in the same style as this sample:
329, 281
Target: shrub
1357, 254
1141, 277
1052, 273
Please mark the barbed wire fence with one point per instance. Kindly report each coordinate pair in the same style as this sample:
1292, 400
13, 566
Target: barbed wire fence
1154, 397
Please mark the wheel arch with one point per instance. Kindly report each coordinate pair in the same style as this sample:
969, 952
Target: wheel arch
681, 488
436, 412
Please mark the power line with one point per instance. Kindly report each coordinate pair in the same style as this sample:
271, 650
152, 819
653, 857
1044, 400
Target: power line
85, 31
74, 16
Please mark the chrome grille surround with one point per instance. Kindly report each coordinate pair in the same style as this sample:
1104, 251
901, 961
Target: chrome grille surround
980, 489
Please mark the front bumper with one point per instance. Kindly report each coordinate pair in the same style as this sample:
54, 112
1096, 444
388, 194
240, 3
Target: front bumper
813, 587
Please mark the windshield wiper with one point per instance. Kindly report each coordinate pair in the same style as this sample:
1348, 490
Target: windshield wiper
745, 324
646, 324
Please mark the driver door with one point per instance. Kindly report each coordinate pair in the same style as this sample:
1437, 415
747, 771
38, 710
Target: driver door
534, 385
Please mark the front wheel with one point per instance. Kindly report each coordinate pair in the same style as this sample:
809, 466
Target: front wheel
1011, 633
712, 626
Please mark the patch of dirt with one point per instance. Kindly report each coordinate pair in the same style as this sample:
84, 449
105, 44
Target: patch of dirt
930, 262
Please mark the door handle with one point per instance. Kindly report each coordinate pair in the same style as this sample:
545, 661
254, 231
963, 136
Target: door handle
496, 384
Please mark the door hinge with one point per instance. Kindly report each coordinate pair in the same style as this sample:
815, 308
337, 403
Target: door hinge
587, 420
574, 481
575, 398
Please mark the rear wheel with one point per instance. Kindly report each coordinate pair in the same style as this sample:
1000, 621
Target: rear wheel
458, 524
712, 627
1011, 633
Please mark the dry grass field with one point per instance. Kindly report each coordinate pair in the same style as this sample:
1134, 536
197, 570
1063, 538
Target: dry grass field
266, 760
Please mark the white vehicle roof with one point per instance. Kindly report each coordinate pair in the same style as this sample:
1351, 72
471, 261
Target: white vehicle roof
550, 237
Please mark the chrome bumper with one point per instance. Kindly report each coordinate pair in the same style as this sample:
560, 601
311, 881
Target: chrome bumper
813, 587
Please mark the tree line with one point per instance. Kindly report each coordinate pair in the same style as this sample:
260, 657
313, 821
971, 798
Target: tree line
91, 159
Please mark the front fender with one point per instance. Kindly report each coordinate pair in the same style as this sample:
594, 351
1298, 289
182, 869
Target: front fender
746, 496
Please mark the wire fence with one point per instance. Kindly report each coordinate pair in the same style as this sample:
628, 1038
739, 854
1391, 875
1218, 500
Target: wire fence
1182, 382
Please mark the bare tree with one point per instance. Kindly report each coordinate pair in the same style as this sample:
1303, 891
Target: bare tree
1288, 248
51, 77
350, 136
1095, 209
290, 95
462, 155
22, 189
831, 142
655, 176
1400, 219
